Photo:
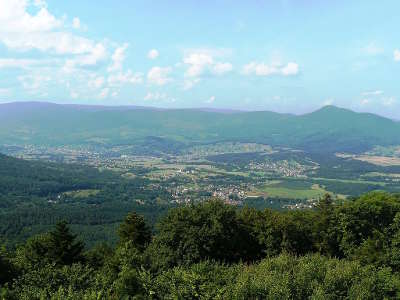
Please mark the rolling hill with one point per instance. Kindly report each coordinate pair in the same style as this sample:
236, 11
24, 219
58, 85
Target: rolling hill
328, 129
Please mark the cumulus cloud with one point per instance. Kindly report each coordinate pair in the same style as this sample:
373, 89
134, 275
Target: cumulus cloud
15, 19
221, 68
118, 79
389, 101
157, 96
263, 69
118, 58
23, 30
153, 54
76, 23
5, 92
372, 93
96, 83
197, 63
33, 83
201, 61
190, 83
290, 69
75, 62
159, 75
211, 100
396, 55
98, 53
104, 93
17, 63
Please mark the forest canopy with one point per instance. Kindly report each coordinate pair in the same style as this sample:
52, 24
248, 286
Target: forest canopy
213, 250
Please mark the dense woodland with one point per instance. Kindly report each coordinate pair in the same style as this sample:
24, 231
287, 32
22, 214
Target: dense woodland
51, 249
28, 190
215, 251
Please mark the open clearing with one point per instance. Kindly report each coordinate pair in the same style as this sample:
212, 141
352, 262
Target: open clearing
273, 191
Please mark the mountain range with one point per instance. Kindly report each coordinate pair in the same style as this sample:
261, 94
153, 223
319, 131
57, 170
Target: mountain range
329, 129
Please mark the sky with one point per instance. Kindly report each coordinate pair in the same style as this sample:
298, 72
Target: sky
281, 55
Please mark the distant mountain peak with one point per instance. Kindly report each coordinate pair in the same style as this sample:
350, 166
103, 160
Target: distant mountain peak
332, 109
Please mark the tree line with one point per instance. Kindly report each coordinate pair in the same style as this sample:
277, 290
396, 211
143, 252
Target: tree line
211, 250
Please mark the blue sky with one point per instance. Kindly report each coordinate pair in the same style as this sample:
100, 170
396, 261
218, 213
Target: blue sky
287, 56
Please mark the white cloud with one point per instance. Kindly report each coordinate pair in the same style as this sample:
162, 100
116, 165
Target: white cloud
76, 23
155, 96
202, 60
23, 29
197, 63
211, 100
158, 97
4, 92
190, 83
222, 68
34, 83
290, 69
153, 54
118, 58
389, 101
118, 79
396, 55
328, 101
372, 93
104, 93
96, 83
364, 101
98, 53
74, 95
15, 18
17, 63
263, 69
159, 75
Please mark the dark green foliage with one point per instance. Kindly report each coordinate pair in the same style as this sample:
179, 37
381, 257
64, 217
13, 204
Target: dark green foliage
191, 234
58, 247
63, 247
135, 230
33, 200
215, 251
7, 269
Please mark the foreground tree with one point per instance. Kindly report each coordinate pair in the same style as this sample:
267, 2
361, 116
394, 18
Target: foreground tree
190, 234
135, 230
64, 249
58, 247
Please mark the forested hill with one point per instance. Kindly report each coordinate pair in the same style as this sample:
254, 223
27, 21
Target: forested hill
33, 178
328, 129
34, 195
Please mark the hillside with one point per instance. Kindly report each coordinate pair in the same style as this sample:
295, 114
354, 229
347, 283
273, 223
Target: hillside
329, 129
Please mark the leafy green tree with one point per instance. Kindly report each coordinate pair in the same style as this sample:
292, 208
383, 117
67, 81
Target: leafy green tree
135, 230
97, 256
360, 219
7, 269
326, 231
58, 246
64, 249
190, 234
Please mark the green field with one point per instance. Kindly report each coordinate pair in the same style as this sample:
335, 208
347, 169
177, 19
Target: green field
279, 190
82, 193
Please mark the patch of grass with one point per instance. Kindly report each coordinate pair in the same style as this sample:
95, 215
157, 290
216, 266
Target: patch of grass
82, 193
278, 191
